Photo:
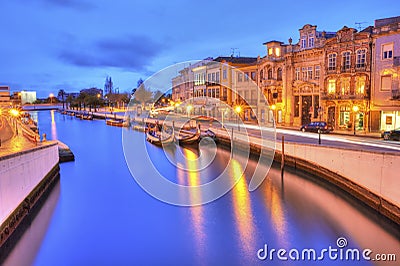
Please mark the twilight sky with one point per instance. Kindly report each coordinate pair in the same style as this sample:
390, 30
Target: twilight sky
47, 45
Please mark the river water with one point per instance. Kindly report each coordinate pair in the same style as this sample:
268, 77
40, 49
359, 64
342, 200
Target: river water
99, 215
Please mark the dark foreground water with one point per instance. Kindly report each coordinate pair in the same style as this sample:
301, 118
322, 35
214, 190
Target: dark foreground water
98, 214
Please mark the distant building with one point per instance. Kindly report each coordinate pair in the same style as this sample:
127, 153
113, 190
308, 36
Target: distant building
4, 95
93, 91
27, 96
385, 101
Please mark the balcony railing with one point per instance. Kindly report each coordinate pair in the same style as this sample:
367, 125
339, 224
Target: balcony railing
336, 96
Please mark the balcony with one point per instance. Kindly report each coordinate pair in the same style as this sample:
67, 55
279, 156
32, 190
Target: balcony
337, 96
345, 69
361, 67
331, 70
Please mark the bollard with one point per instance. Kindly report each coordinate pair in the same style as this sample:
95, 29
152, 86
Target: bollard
44, 137
319, 137
283, 155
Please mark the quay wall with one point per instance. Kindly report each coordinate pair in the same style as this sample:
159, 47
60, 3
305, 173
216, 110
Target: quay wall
24, 177
371, 177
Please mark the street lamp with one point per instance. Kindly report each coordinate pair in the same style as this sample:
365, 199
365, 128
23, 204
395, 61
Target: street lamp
51, 95
355, 110
15, 114
238, 109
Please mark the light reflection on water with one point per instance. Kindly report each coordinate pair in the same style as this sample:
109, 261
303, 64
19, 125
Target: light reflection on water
103, 217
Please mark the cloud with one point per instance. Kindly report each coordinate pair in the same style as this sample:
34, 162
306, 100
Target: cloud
131, 53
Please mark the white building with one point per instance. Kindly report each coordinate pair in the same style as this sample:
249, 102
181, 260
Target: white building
28, 97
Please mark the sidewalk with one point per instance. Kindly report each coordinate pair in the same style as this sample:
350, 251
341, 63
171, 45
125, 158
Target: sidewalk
14, 142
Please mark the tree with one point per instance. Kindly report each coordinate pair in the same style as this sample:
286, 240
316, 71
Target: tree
69, 100
61, 94
143, 95
157, 95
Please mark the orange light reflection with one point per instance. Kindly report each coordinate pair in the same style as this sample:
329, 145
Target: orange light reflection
196, 211
242, 209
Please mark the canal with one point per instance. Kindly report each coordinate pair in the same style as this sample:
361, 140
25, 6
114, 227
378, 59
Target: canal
98, 215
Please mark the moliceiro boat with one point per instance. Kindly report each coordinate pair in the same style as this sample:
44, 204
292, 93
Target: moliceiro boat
115, 122
160, 138
188, 138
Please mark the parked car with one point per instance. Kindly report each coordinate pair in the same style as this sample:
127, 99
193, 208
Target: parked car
393, 134
317, 126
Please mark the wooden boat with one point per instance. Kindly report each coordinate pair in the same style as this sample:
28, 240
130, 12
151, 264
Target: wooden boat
187, 139
159, 140
115, 122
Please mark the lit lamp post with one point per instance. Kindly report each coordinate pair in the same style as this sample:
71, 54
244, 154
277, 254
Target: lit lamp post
51, 95
15, 114
238, 109
355, 110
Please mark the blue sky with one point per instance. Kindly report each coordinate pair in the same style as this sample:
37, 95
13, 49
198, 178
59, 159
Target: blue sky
47, 45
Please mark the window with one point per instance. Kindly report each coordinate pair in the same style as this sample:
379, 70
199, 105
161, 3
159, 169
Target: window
209, 77
360, 85
246, 76
345, 86
270, 73
303, 42
317, 72
253, 75
346, 60
270, 51
386, 83
217, 77
304, 73
360, 58
279, 74
311, 40
387, 51
261, 74
213, 77
224, 74
331, 61
279, 99
310, 72
240, 77
331, 86
297, 73
217, 93
296, 106
278, 51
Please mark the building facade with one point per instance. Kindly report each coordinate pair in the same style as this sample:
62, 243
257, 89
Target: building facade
347, 79
4, 96
385, 102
